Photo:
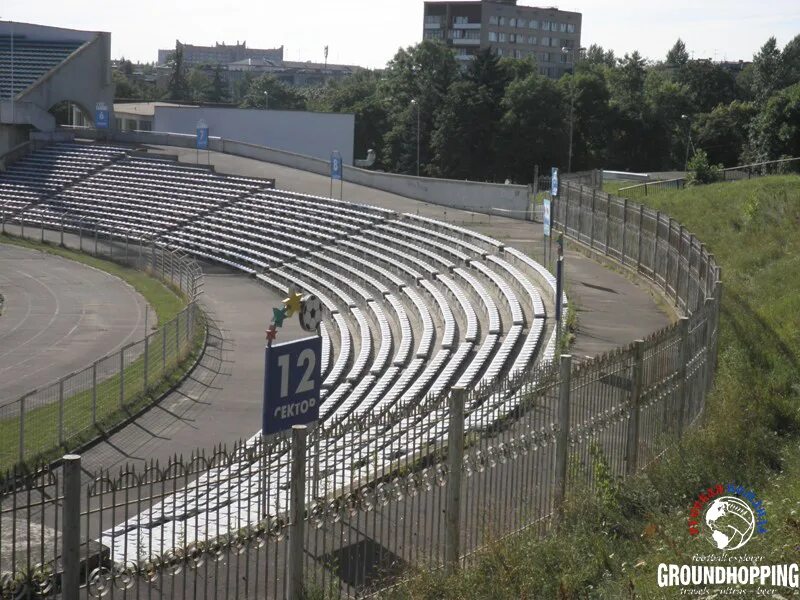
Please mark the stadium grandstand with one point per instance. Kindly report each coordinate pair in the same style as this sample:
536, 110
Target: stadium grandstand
44, 67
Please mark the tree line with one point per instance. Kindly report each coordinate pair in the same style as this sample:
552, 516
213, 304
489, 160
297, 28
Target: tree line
496, 118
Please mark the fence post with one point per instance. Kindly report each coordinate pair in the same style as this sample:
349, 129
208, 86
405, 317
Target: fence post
177, 337
639, 252
655, 247
624, 228
41, 222
608, 219
122, 377
632, 442
60, 412
163, 350
580, 213
146, 357
678, 266
562, 434
455, 460
683, 359
94, 393
591, 235
714, 341
294, 588
22, 428
71, 528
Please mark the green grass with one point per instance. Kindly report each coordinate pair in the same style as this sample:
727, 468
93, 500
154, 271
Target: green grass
613, 186
88, 415
611, 543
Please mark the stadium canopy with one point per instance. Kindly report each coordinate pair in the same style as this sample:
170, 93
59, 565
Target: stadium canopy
41, 67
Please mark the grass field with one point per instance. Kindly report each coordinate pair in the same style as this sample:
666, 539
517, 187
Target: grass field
612, 542
88, 413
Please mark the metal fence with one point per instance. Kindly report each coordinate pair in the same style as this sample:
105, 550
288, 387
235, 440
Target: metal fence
346, 509
76, 408
751, 171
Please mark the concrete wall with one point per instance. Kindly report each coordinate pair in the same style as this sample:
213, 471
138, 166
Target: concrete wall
298, 132
490, 198
84, 79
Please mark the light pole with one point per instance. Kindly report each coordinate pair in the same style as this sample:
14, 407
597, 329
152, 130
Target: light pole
688, 140
567, 51
266, 100
416, 104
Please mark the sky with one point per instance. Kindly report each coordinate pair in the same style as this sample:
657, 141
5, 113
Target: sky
368, 33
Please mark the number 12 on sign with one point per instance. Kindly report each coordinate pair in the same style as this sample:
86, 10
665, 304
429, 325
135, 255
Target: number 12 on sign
292, 379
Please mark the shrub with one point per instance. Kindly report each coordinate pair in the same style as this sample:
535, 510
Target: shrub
700, 171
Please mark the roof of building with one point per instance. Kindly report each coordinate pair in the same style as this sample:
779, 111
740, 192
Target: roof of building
143, 109
291, 65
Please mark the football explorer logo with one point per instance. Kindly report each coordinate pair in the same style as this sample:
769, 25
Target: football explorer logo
727, 516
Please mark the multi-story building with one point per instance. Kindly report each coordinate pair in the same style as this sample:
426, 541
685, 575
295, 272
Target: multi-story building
551, 36
220, 54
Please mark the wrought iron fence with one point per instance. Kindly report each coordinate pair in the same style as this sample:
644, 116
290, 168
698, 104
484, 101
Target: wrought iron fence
74, 409
345, 509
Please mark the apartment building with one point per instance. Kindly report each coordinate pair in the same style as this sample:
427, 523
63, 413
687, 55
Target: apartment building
551, 36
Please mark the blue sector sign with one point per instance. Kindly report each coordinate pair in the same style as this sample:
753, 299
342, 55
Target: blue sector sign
101, 116
202, 138
292, 379
554, 181
336, 166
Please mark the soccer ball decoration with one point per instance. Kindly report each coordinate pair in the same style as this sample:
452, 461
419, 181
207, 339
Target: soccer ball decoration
310, 313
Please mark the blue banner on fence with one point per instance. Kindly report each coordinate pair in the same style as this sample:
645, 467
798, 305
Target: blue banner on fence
202, 136
101, 116
292, 380
336, 166
554, 181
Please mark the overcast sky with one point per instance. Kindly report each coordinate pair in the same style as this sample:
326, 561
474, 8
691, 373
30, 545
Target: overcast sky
369, 32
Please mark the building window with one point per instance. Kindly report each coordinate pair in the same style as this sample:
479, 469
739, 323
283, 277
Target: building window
460, 20
532, 40
493, 20
554, 42
436, 34
512, 22
472, 34
570, 28
502, 21
455, 34
545, 41
492, 36
546, 25
512, 37
522, 23
145, 125
544, 57
499, 52
564, 57
534, 24
517, 53
503, 37
433, 19
562, 27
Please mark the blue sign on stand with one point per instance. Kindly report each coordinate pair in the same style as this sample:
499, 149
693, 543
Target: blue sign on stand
336, 166
554, 182
101, 116
202, 136
292, 380
546, 215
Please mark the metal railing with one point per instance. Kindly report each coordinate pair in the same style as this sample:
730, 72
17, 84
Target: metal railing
751, 171
346, 509
75, 409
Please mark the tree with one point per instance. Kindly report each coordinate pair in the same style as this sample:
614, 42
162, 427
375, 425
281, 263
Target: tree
177, 87
279, 96
422, 73
677, 57
790, 57
461, 143
359, 94
776, 130
532, 129
218, 91
591, 116
768, 72
722, 133
198, 85
708, 84
595, 55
